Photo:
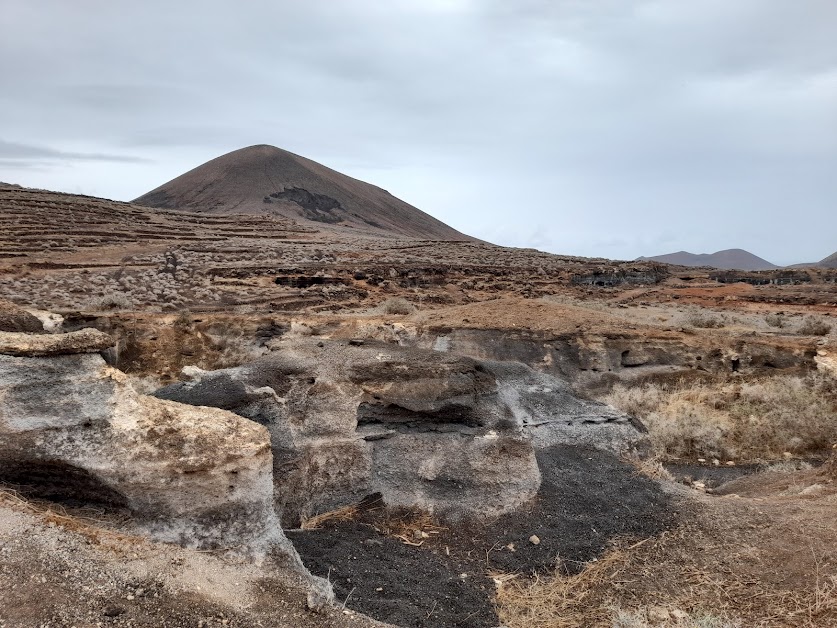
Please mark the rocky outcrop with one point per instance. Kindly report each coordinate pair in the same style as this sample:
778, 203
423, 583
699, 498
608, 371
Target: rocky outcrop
424, 429
585, 357
827, 361
609, 277
783, 277
72, 429
16, 319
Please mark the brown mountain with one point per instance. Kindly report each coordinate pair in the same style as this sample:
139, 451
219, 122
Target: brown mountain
268, 180
737, 259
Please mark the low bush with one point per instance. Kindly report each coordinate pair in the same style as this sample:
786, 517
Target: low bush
755, 420
775, 320
704, 321
813, 326
111, 301
397, 305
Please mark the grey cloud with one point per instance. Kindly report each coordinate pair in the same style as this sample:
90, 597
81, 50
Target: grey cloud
14, 153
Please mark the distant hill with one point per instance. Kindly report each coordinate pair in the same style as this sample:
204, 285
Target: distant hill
829, 262
730, 259
268, 180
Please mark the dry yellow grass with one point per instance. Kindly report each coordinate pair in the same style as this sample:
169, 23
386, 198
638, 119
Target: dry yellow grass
731, 419
733, 563
347, 513
560, 601
90, 527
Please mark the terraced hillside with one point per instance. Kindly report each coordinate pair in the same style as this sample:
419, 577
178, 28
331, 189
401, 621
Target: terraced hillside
34, 223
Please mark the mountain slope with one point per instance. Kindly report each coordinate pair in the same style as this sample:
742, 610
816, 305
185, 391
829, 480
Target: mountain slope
829, 262
737, 259
265, 179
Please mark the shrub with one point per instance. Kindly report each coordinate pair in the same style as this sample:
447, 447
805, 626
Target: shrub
775, 320
705, 321
111, 301
813, 326
397, 305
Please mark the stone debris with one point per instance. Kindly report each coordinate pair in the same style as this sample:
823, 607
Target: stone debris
15, 319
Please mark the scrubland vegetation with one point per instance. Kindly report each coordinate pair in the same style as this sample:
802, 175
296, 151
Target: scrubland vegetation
735, 420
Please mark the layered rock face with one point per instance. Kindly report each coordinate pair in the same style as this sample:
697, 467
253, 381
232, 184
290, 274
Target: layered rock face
72, 429
424, 429
584, 357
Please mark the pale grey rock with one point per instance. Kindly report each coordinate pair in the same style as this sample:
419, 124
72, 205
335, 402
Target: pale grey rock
550, 412
73, 428
421, 428
52, 323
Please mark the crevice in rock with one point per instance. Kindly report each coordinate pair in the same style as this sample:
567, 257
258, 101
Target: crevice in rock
392, 415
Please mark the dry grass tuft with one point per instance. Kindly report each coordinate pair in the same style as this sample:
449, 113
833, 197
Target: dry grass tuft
346, 513
651, 468
704, 321
813, 326
90, 527
561, 601
691, 578
397, 305
410, 526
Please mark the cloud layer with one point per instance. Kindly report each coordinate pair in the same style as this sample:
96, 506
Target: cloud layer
606, 128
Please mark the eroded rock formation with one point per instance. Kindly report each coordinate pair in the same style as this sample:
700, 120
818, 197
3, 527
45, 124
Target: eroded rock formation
73, 429
425, 429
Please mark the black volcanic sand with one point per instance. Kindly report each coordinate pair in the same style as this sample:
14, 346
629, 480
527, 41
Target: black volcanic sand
587, 499
711, 476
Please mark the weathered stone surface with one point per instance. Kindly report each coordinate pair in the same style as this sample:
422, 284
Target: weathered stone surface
588, 358
423, 428
71, 428
16, 319
33, 345
551, 414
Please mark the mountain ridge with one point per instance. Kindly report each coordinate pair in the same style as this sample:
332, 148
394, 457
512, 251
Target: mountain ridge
727, 259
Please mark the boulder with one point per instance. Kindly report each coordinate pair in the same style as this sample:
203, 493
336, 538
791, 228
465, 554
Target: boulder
425, 429
15, 318
72, 429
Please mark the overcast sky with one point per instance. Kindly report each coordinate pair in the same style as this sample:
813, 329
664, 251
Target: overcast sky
592, 127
